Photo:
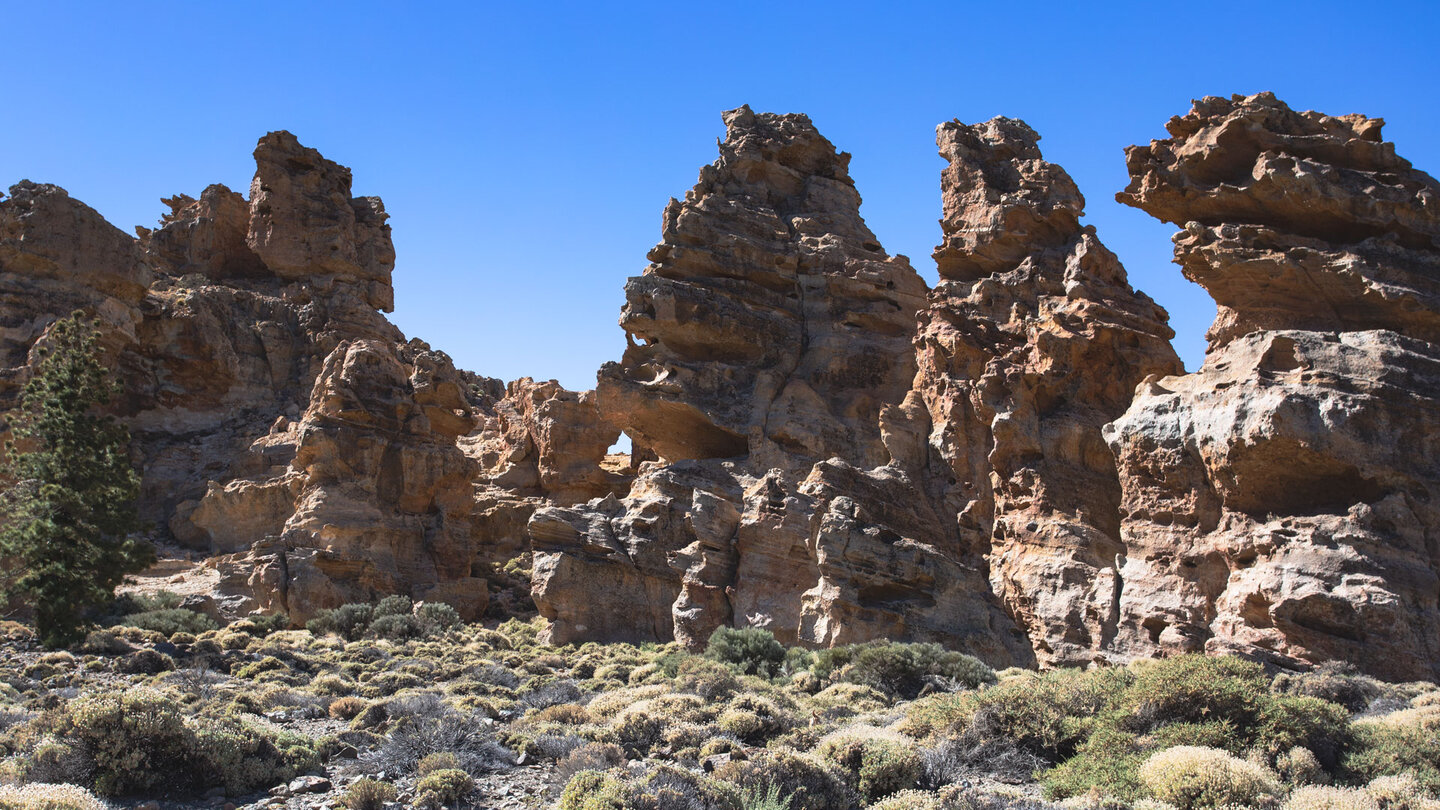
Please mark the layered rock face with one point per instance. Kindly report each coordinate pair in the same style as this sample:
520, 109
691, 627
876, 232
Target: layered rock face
770, 323
58, 255
1031, 342
1281, 502
279, 420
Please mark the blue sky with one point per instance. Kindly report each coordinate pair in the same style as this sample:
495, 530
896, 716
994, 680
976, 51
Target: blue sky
525, 151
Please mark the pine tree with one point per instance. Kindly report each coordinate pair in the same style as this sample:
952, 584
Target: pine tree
68, 521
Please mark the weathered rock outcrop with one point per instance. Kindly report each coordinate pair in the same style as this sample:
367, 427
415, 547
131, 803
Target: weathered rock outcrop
1012, 464
1031, 342
1281, 502
279, 420
768, 341
770, 324
58, 255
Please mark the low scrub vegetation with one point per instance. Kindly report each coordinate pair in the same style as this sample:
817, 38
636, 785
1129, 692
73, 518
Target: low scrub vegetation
400, 705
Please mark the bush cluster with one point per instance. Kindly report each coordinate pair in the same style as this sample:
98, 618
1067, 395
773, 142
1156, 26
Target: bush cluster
395, 618
135, 741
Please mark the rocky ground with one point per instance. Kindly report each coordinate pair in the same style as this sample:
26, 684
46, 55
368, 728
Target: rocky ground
159, 711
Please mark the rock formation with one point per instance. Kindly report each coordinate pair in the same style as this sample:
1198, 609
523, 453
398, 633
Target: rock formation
1031, 342
1281, 502
770, 323
771, 330
279, 420
58, 255
1012, 464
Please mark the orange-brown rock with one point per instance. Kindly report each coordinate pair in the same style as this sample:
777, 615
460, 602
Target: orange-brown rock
770, 323
539, 439
58, 255
1281, 501
1032, 341
305, 225
767, 339
279, 420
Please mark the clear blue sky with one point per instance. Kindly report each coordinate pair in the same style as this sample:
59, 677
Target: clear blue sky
525, 151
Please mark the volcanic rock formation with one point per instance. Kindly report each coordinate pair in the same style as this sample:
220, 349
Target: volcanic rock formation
1032, 341
765, 339
974, 502
1012, 464
278, 420
1282, 502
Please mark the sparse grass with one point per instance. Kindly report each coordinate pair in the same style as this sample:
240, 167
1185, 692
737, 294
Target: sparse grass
748, 726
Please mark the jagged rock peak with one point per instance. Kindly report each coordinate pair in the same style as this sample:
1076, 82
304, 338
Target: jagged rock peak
303, 221
1253, 159
1002, 200
756, 326
1294, 220
300, 225
1033, 340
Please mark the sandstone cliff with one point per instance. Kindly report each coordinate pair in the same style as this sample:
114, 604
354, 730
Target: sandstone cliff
1281, 501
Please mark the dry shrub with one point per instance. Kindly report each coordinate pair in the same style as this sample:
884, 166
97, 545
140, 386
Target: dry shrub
41, 796
1192, 777
1319, 797
590, 757
346, 708
369, 794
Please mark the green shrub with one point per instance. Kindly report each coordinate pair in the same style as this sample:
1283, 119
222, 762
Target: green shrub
1334, 681
1398, 744
396, 605
437, 616
242, 757
811, 783
909, 800
874, 767
396, 627
1106, 762
144, 662
1197, 778
848, 699
1196, 688
637, 730
134, 740
751, 650
347, 621
902, 670
261, 625
438, 761
138, 740
369, 794
768, 798
1048, 715
1287, 721
592, 790
170, 621
710, 680
442, 787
